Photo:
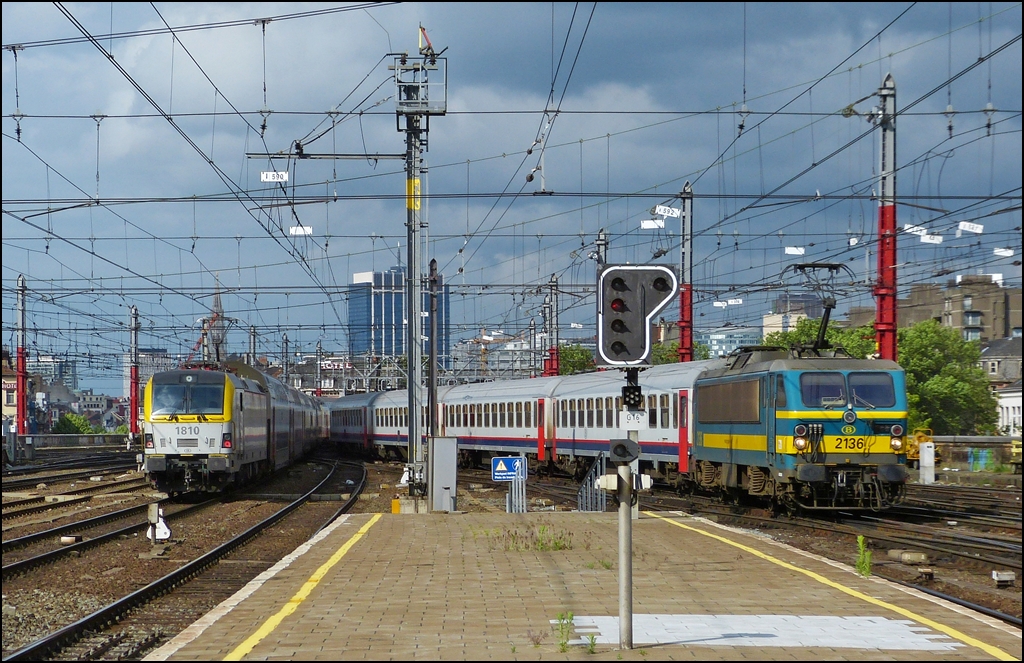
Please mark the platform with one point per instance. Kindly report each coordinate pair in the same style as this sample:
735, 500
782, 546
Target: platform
457, 587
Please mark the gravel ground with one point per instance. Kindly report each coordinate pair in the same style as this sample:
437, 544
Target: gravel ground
60, 515
103, 574
969, 585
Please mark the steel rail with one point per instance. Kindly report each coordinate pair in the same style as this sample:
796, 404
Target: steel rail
114, 612
17, 568
95, 521
87, 490
1009, 619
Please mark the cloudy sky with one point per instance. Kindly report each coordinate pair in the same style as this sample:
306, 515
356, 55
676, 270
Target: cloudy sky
134, 136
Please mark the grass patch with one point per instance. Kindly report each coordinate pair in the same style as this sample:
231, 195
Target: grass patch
564, 630
542, 538
863, 557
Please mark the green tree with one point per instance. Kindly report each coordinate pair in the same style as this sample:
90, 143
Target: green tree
947, 390
72, 424
859, 342
574, 358
668, 353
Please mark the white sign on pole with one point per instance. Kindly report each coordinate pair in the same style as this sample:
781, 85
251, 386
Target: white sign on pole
633, 420
274, 176
667, 211
720, 304
650, 224
972, 227
1005, 253
794, 250
734, 302
300, 230
914, 230
931, 239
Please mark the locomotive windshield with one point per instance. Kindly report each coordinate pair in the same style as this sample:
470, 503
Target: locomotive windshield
872, 390
829, 390
182, 395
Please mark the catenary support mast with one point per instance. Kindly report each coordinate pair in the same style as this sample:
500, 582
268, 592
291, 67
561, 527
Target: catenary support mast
422, 91
686, 277
21, 386
133, 375
885, 287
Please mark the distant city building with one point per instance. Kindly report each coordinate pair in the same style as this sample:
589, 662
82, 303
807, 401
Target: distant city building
808, 304
376, 316
723, 340
977, 306
151, 361
496, 355
92, 405
1001, 361
54, 369
780, 322
1010, 409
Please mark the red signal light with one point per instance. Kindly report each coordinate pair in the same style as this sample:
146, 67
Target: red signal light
618, 306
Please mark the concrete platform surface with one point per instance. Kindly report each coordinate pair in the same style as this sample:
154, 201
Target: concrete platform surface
544, 586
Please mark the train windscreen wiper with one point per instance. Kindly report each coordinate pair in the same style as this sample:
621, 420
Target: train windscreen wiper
866, 404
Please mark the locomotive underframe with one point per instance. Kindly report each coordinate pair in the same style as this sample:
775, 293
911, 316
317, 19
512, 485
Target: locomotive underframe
173, 474
812, 487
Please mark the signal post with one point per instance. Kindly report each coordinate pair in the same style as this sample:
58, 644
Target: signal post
628, 298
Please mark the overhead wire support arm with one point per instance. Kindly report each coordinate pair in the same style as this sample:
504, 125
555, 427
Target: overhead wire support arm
306, 155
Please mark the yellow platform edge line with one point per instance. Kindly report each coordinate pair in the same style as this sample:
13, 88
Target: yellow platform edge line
293, 603
948, 630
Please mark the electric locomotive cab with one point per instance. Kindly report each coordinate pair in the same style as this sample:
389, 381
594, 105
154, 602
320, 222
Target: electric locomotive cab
188, 430
841, 434
822, 432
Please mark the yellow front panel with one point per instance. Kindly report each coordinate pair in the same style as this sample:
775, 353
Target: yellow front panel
838, 414
229, 399
738, 442
840, 444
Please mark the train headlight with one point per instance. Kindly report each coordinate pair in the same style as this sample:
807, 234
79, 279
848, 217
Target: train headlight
800, 437
896, 443
896, 430
149, 441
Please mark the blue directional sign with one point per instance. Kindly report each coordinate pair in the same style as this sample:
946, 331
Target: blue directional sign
508, 468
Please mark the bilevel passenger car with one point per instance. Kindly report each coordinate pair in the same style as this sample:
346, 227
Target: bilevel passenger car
797, 431
211, 426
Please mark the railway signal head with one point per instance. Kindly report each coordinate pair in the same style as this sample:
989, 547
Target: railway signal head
628, 298
633, 396
623, 451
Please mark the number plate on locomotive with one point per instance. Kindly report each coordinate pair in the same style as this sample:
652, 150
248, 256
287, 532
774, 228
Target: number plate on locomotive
850, 444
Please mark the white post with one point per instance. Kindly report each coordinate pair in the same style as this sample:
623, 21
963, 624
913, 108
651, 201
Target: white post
927, 453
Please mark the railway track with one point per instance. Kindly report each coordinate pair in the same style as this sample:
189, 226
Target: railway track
54, 554
48, 479
137, 621
30, 505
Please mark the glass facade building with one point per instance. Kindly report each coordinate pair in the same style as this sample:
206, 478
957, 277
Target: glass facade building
376, 316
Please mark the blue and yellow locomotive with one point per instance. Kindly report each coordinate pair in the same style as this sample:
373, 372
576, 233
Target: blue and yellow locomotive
807, 432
